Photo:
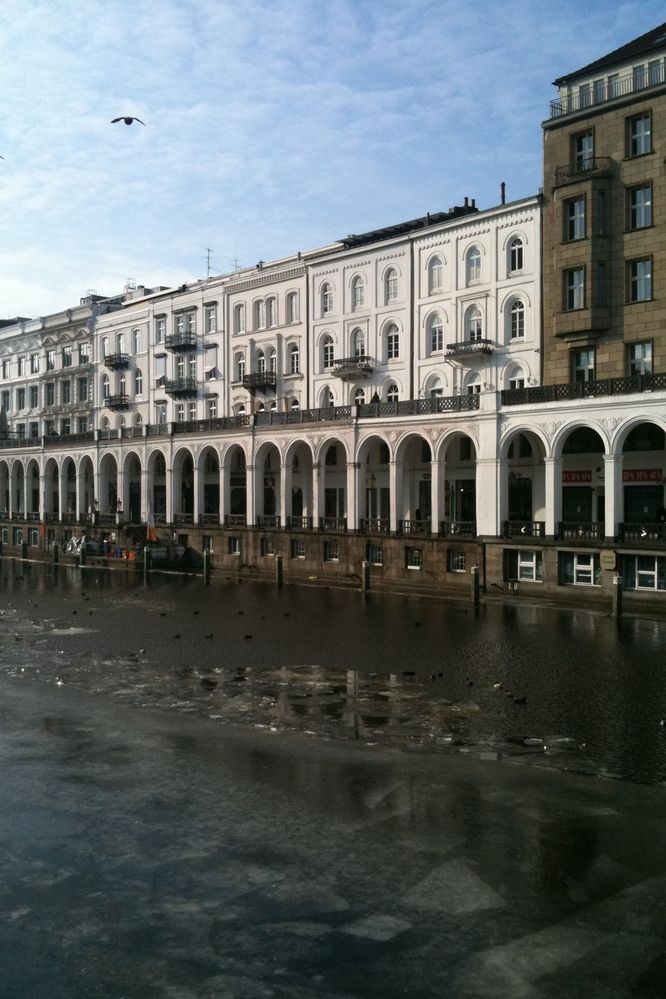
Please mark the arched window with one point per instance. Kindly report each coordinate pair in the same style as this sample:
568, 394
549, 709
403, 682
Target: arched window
239, 318
136, 338
138, 382
272, 361
327, 351
390, 286
105, 346
358, 343
294, 360
436, 333
473, 264
331, 455
474, 384
261, 407
359, 397
271, 312
357, 293
473, 323
122, 385
392, 393
327, 398
241, 409
138, 420
517, 320
516, 378
120, 343
261, 362
434, 275
292, 307
516, 254
240, 367
106, 387
295, 404
259, 315
326, 299
435, 388
274, 406
392, 342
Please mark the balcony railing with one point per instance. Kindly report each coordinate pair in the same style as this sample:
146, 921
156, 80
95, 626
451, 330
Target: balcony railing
457, 529
209, 520
607, 91
259, 380
183, 519
589, 166
463, 347
584, 390
181, 386
645, 534
116, 361
235, 520
581, 531
414, 526
268, 521
299, 523
332, 523
117, 401
524, 528
181, 341
375, 525
353, 367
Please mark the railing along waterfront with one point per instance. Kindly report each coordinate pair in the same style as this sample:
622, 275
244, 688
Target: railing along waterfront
584, 390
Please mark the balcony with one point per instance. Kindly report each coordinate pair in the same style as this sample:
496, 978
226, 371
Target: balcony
259, 381
351, 368
116, 361
584, 390
117, 401
643, 534
587, 101
234, 520
375, 525
581, 531
332, 523
180, 386
524, 529
590, 166
457, 529
268, 521
299, 523
469, 347
414, 527
182, 341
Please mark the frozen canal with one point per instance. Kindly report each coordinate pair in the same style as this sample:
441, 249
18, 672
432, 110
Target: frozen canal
238, 792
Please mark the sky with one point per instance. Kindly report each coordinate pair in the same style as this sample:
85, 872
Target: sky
272, 126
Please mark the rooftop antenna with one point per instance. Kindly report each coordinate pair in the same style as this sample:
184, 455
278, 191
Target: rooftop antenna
208, 267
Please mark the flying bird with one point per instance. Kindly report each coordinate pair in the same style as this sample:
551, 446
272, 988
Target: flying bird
127, 119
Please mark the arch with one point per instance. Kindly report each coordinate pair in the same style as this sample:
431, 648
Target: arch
515, 254
357, 291
32, 486
131, 499
630, 425
473, 383
390, 283
108, 484
208, 469
435, 332
156, 502
472, 264
267, 482
473, 323
564, 433
182, 481
326, 397
326, 298
392, 392
515, 377
374, 483
332, 456
358, 342
435, 272
327, 351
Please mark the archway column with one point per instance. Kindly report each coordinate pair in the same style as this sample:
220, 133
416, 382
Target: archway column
503, 494
395, 494
437, 494
318, 483
487, 498
613, 495
146, 494
198, 476
225, 487
251, 494
352, 495
284, 507
62, 493
168, 484
42, 496
553, 497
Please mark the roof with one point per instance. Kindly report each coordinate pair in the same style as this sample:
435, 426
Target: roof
402, 228
654, 39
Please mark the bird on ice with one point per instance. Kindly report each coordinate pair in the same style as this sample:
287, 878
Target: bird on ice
127, 119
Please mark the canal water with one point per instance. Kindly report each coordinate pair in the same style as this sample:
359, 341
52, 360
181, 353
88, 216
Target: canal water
571, 690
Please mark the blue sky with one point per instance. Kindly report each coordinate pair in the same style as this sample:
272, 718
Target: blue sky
271, 125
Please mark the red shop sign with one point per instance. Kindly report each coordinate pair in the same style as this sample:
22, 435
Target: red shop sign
577, 476
642, 475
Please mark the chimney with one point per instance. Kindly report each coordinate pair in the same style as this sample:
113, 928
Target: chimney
466, 202
503, 193
473, 202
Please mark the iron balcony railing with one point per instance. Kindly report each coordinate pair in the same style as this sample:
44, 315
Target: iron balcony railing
375, 525
643, 533
603, 92
352, 367
267, 520
181, 341
457, 529
209, 520
524, 528
299, 523
180, 386
117, 401
234, 520
589, 166
461, 347
584, 390
332, 523
260, 380
116, 361
581, 531
414, 526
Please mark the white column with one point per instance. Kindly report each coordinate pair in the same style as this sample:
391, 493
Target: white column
62, 494
169, 477
43, 507
613, 494
251, 498
352, 495
318, 481
197, 491
395, 494
553, 494
223, 499
146, 498
437, 494
284, 506
503, 495
486, 496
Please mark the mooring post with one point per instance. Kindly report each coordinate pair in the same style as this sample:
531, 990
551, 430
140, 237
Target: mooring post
365, 576
279, 570
147, 559
475, 584
206, 567
617, 596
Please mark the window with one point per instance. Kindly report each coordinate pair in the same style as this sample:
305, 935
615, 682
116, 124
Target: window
654, 72
266, 547
374, 554
50, 394
192, 411
160, 413
210, 318
5, 368
584, 95
357, 293
639, 77
392, 342
239, 318
517, 379
434, 275
639, 278
84, 352
65, 426
82, 387
82, 425
106, 387
473, 266
358, 343
359, 397
516, 254
297, 549
327, 350
261, 362
292, 307
180, 366
455, 560
474, 384
583, 365
644, 572
331, 551
436, 325
4, 400
180, 412
639, 207
598, 91
474, 324
50, 361
613, 84
21, 366
392, 393
326, 299
271, 312
136, 341
390, 286
577, 569
517, 320
160, 329
138, 382
34, 364
233, 546
574, 227
524, 565
583, 151
413, 558
67, 357
66, 391
574, 288
240, 367
272, 361
639, 134
259, 315
640, 358
294, 359
122, 385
